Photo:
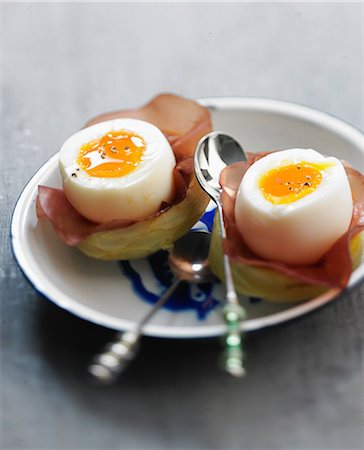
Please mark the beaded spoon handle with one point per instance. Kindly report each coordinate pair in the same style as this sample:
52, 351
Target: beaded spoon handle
233, 314
108, 365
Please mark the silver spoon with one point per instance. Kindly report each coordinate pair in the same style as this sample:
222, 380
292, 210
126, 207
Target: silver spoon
214, 152
189, 262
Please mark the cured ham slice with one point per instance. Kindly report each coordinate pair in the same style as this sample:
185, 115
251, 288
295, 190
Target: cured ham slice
182, 121
72, 227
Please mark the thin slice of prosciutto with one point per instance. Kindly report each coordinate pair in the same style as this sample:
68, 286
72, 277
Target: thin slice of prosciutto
183, 121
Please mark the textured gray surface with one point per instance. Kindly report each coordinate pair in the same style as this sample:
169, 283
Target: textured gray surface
63, 63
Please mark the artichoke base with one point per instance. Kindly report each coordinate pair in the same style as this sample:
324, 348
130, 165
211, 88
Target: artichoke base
146, 237
268, 284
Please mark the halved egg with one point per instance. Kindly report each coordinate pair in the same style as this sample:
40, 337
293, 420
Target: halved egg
118, 169
292, 205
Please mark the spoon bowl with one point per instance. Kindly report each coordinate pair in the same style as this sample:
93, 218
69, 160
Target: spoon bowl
214, 152
189, 258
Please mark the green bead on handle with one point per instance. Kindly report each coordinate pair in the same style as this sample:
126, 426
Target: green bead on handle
234, 314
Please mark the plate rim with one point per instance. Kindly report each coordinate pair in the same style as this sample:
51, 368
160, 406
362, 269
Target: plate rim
306, 111
297, 310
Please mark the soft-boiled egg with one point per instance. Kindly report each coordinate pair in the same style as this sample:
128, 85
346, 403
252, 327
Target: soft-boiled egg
118, 169
292, 206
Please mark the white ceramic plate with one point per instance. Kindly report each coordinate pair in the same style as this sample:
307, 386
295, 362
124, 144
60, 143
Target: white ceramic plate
102, 293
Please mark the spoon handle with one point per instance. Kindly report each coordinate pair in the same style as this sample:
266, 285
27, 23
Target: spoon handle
113, 360
233, 314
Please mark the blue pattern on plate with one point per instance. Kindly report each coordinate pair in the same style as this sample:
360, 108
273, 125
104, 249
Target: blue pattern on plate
207, 220
186, 296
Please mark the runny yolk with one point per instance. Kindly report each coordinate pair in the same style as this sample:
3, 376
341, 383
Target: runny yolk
114, 154
286, 184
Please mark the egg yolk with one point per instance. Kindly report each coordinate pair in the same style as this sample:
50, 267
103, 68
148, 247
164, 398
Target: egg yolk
286, 184
115, 154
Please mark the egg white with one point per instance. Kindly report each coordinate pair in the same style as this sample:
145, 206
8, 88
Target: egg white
300, 232
130, 197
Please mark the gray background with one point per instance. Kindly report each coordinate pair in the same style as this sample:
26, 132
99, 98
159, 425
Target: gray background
64, 63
